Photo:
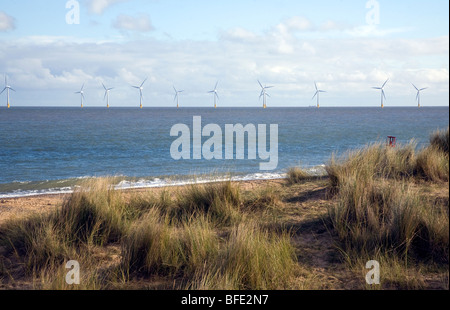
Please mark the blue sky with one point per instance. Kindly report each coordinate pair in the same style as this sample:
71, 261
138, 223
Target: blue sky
193, 43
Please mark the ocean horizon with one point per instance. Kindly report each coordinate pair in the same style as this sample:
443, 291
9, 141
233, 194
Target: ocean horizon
46, 150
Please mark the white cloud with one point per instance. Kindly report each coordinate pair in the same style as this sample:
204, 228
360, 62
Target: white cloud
6, 22
345, 66
140, 23
374, 31
99, 6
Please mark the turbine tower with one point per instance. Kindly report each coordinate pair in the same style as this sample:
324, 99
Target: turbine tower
418, 93
107, 90
141, 88
216, 96
383, 95
264, 93
318, 91
177, 92
81, 92
7, 88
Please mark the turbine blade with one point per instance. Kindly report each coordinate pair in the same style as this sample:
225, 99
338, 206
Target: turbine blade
385, 83
215, 87
384, 95
12, 89
423, 88
104, 86
417, 97
260, 84
216, 95
3, 90
82, 87
315, 84
376, 87
144, 82
415, 87
314, 95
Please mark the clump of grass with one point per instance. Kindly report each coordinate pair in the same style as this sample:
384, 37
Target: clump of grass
263, 199
93, 215
38, 239
253, 259
375, 160
433, 165
376, 209
151, 247
155, 247
440, 140
219, 201
297, 175
389, 216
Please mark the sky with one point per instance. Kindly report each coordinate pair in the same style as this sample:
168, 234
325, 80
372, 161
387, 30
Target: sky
345, 46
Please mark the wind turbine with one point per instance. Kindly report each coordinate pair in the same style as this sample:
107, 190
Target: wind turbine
264, 93
141, 88
176, 95
107, 90
215, 94
81, 92
7, 88
383, 95
418, 93
318, 91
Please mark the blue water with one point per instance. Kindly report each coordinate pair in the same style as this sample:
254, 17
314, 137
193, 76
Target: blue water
48, 148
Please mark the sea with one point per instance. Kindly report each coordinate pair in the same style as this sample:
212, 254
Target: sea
50, 150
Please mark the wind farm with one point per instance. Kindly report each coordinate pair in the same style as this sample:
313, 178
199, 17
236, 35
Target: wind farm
7, 88
263, 93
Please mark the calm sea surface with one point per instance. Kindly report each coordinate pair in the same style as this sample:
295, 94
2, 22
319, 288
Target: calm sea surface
50, 149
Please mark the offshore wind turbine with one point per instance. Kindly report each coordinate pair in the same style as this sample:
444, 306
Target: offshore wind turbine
264, 93
383, 95
418, 94
141, 88
107, 90
318, 91
81, 92
7, 88
216, 96
177, 92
